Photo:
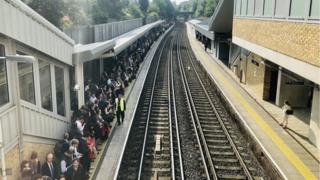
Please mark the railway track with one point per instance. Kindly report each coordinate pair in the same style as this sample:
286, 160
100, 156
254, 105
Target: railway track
181, 129
153, 147
219, 139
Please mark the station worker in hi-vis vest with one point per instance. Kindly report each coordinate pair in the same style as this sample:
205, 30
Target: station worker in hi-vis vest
120, 108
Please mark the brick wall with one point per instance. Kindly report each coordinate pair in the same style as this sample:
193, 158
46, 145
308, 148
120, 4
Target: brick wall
12, 157
41, 149
12, 161
295, 39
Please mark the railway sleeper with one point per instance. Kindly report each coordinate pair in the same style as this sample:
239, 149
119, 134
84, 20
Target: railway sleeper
219, 153
231, 176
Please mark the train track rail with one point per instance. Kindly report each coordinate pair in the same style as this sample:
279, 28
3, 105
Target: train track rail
154, 133
181, 129
223, 157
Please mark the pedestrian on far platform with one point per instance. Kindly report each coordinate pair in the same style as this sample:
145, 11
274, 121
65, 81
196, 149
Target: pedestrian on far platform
287, 110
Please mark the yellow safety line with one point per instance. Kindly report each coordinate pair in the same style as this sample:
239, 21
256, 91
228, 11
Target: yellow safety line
293, 158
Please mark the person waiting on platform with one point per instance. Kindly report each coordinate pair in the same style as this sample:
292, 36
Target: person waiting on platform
76, 172
206, 44
120, 108
49, 168
287, 110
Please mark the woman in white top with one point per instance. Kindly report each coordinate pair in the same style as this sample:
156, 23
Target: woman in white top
286, 108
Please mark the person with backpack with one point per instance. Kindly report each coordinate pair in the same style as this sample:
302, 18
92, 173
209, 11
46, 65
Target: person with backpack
287, 110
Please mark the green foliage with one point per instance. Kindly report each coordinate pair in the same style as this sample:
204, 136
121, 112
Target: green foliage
133, 11
163, 9
199, 11
144, 4
52, 10
76, 14
186, 6
209, 8
107, 10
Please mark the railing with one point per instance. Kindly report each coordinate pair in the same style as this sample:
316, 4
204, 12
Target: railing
103, 32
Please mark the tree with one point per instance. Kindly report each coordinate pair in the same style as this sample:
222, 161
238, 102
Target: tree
74, 14
52, 10
210, 7
164, 8
144, 4
133, 11
200, 8
104, 11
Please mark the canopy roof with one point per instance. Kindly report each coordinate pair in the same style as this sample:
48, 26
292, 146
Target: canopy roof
221, 20
87, 52
202, 27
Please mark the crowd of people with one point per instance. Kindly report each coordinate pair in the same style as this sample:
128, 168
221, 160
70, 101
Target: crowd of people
91, 124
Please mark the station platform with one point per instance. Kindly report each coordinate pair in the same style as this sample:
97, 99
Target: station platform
117, 140
291, 159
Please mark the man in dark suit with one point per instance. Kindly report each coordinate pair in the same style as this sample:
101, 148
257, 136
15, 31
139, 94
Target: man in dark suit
76, 172
49, 168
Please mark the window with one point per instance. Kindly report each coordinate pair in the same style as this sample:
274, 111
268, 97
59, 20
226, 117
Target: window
59, 78
297, 8
244, 7
282, 7
238, 7
250, 7
315, 9
4, 93
268, 8
45, 85
26, 81
258, 10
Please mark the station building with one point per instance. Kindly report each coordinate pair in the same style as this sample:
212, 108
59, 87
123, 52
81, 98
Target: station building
273, 49
35, 98
280, 54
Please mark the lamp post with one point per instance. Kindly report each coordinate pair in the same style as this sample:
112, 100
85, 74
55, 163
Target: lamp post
22, 59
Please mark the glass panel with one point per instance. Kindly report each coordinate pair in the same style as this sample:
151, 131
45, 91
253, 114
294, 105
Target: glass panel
258, 9
59, 78
4, 93
244, 7
268, 8
250, 7
45, 85
282, 7
26, 81
315, 9
297, 8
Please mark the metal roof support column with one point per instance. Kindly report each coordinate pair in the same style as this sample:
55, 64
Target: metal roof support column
79, 76
278, 87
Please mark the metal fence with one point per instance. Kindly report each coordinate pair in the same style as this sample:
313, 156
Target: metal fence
102, 32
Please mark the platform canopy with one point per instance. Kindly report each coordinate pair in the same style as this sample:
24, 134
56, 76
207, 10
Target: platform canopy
202, 26
221, 20
87, 52
125, 40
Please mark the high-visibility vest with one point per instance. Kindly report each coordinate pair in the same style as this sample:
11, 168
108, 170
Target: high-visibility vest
121, 104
